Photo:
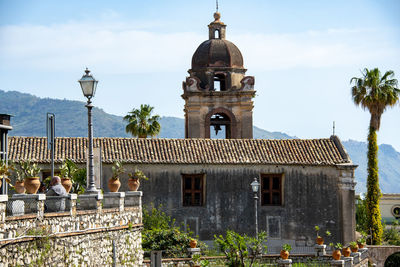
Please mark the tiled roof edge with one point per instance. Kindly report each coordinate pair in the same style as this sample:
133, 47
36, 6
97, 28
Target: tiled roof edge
341, 148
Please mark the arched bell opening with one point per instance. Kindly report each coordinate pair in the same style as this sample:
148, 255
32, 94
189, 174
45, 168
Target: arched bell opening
217, 34
219, 82
220, 124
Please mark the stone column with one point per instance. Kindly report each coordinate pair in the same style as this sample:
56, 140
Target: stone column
72, 204
284, 263
114, 200
3, 206
337, 263
320, 250
346, 185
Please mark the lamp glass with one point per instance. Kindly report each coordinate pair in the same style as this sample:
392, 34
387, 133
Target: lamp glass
255, 185
88, 85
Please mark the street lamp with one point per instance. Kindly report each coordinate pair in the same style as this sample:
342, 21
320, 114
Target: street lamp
255, 185
88, 85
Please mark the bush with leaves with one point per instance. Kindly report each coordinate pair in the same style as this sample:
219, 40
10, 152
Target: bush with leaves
238, 248
391, 235
161, 233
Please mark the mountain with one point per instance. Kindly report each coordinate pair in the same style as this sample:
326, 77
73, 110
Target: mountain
388, 163
71, 120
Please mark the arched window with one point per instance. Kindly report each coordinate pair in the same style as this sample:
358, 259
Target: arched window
217, 34
219, 82
220, 126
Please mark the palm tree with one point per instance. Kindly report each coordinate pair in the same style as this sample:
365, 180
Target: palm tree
141, 123
375, 93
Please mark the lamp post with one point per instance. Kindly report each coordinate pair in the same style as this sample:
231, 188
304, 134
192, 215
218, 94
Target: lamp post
88, 85
255, 186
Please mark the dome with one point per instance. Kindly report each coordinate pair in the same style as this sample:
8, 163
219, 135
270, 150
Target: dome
217, 53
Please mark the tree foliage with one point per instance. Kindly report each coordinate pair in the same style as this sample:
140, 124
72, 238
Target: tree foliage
374, 92
141, 123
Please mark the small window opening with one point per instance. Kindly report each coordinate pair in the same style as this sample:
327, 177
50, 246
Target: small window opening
219, 82
217, 34
271, 189
220, 126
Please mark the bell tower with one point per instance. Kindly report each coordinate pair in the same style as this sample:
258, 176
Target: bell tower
218, 96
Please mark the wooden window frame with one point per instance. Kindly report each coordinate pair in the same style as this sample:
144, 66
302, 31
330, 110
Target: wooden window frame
193, 191
270, 189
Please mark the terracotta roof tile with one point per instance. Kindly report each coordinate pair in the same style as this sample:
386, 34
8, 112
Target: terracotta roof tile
184, 151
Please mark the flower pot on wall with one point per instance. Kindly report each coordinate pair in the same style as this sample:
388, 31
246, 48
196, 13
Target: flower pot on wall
19, 187
193, 243
354, 249
32, 185
336, 254
284, 254
66, 182
346, 252
133, 184
114, 185
319, 240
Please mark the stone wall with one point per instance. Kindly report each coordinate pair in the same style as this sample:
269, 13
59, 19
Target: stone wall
79, 235
312, 195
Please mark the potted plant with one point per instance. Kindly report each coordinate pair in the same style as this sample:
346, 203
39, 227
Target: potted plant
30, 173
286, 248
361, 241
67, 169
193, 243
133, 182
346, 251
19, 186
353, 246
336, 250
320, 239
114, 183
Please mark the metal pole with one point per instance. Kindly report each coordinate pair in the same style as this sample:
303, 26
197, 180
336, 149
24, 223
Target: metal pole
91, 186
255, 213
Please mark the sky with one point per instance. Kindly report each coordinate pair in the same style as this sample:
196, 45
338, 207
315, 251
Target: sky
302, 54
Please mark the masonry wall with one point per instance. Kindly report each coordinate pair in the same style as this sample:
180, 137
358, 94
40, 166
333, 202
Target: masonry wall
86, 237
312, 195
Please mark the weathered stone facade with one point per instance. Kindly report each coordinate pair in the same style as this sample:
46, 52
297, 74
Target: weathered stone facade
76, 236
312, 195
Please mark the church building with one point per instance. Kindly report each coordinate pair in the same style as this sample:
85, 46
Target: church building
204, 182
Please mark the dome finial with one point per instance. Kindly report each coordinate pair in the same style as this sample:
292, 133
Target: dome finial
217, 15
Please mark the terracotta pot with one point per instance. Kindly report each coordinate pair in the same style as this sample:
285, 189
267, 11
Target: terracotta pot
113, 185
66, 182
360, 245
32, 185
133, 184
346, 252
336, 254
193, 243
319, 240
284, 254
354, 249
19, 187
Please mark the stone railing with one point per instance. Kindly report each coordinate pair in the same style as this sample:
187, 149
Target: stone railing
319, 258
91, 230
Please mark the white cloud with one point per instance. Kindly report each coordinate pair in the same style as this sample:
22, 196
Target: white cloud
121, 48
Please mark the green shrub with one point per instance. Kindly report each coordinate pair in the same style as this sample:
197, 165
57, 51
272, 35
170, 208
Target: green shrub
237, 248
161, 233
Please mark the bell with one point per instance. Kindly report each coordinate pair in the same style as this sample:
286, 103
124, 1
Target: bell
217, 128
